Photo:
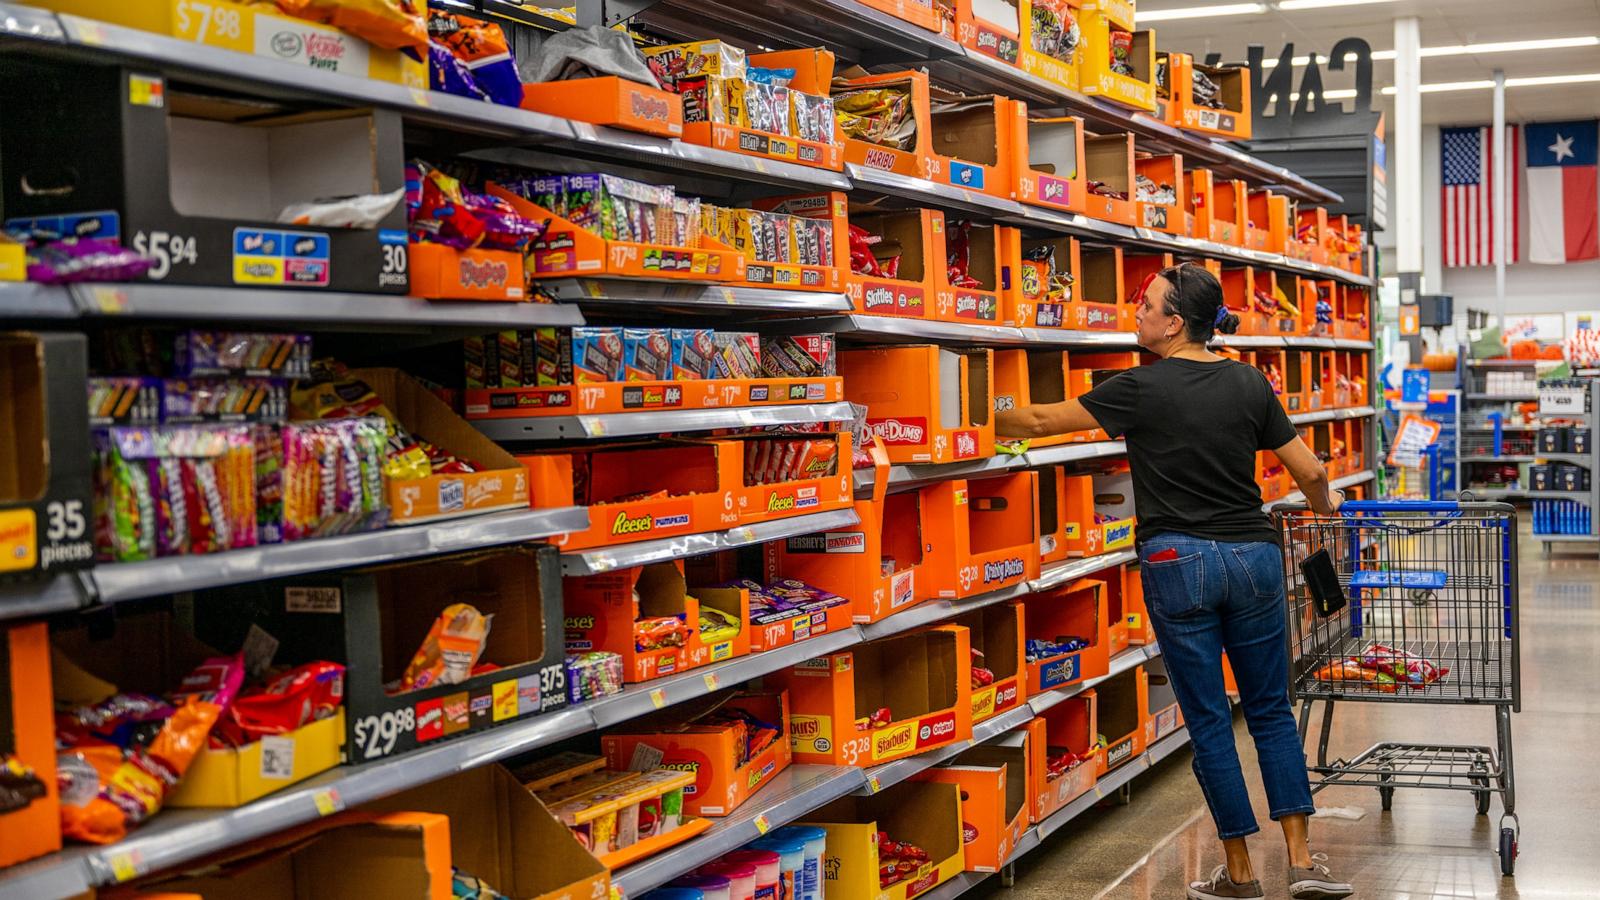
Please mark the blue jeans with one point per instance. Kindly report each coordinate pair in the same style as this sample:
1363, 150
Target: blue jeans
1217, 596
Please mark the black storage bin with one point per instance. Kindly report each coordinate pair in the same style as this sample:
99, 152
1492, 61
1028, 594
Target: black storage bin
1540, 479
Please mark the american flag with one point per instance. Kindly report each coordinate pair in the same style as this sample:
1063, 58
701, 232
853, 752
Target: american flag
1467, 195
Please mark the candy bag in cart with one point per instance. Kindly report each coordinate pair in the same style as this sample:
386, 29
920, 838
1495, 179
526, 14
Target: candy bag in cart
1351, 670
1403, 667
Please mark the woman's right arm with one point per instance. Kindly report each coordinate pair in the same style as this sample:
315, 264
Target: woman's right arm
1043, 420
1311, 477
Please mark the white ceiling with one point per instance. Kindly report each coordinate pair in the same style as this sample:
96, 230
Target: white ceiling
1444, 22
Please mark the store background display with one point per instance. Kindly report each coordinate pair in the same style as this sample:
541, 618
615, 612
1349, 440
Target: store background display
939, 532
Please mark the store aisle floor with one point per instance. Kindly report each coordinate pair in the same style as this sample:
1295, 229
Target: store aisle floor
1431, 845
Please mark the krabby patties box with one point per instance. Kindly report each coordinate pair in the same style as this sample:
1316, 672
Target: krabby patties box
981, 534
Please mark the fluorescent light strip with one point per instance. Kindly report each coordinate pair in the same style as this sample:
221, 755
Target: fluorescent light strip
1199, 12
1291, 5
1446, 87
1587, 40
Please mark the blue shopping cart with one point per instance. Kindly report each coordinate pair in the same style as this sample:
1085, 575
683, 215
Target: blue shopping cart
1430, 617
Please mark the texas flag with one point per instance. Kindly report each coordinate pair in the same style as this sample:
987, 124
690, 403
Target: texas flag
1563, 198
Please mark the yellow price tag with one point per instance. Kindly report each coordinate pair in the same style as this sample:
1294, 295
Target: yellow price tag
729, 296
420, 97
658, 698
761, 166
762, 825
89, 32
126, 866
872, 782
327, 801
711, 681
109, 300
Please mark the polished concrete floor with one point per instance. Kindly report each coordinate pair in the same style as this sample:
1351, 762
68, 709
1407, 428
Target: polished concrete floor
1431, 845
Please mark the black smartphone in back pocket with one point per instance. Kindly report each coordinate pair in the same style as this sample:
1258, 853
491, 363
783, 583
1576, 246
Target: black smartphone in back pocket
1322, 580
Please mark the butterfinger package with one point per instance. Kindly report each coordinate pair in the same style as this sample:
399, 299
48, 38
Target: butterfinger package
799, 355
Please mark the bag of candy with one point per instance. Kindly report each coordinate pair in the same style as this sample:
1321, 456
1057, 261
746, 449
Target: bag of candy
482, 49
451, 650
390, 24
294, 698
1405, 668
1351, 670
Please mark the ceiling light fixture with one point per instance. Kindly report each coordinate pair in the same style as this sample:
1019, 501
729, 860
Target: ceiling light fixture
1445, 87
1587, 40
1291, 5
1199, 12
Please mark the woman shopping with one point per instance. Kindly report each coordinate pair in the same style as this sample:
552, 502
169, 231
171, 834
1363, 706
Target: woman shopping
1209, 556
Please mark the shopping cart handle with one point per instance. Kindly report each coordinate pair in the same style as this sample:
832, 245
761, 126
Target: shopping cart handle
1354, 507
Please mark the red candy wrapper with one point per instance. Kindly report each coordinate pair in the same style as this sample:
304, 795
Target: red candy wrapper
295, 698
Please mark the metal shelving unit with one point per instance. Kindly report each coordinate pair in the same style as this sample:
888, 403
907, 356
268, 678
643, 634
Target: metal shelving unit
622, 556
701, 298
665, 421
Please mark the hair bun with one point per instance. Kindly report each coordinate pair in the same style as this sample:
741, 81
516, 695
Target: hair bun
1229, 324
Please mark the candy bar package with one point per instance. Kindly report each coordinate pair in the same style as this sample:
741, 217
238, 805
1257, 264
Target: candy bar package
241, 353
799, 355
593, 674
1122, 53
675, 62
552, 356
174, 490
692, 350
811, 117
738, 355
785, 599
480, 361
619, 209
224, 400
774, 460
332, 475
124, 401
685, 221
813, 241
646, 354
766, 100
510, 356
596, 354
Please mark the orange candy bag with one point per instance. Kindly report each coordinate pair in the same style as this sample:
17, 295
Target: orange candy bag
391, 24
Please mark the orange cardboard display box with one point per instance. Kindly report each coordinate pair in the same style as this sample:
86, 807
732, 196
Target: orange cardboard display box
881, 701
1121, 702
567, 249
1070, 726
994, 29
1310, 239
1232, 118
27, 734
603, 612
1319, 292
681, 739
1113, 508
1042, 25
1351, 322
875, 566
609, 100
923, 15
1321, 389
1076, 610
1169, 66
1239, 294
1103, 297
1096, 75
1134, 611
997, 645
1162, 715
978, 271
971, 141
1298, 380
1271, 363
1267, 222
994, 801
813, 75
926, 403
925, 814
1028, 377
1108, 161
1046, 289
495, 822
1197, 203
1229, 210
1272, 476
1119, 636
351, 854
499, 483
980, 534
633, 396
704, 481
915, 161
1087, 373
1048, 163
830, 207
1054, 524
1164, 170
1278, 308
909, 235
438, 272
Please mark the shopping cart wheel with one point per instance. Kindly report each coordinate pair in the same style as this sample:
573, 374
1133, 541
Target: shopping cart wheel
1385, 794
1480, 781
1508, 852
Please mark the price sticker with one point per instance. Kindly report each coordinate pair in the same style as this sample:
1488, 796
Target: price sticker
762, 825
595, 427
90, 32
872, 783
128, 865
729, 296
711, 681
420, 97
761, 166
109, 300
327, 801
658, 698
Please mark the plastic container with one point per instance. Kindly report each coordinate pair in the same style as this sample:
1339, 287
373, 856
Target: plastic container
741, 876
768, 870
791, 862
810, 883
674, 893
711, 887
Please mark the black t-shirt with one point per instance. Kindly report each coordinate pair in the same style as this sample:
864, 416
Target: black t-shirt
1193, 429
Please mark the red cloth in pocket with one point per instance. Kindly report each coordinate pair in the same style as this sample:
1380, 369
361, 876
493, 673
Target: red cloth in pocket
1166, 555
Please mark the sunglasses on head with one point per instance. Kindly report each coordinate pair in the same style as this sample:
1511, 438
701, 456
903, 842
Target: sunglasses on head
1173, 274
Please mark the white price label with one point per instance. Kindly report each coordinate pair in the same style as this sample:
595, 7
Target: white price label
1563, 401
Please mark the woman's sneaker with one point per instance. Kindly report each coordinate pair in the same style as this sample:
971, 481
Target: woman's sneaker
1221, 887
1316, 882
